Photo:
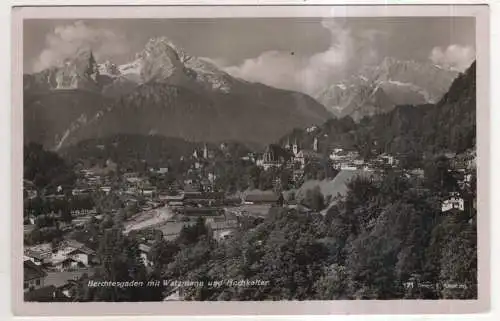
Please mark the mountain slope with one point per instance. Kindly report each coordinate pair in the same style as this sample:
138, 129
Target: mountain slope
50, 116
163, 109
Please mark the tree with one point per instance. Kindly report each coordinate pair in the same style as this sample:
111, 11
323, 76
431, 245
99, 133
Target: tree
46, 169
191, 234
333, 285
439, 176
458, 273
314, 199
162, 252
120, 261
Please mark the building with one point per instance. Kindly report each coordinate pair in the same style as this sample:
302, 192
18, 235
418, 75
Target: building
256, 197
105, 189
311, 129
29, 188
149, 192
222, 228
271, 158
46, 294
34, 276
159, 170
168, 199
387, 159
72, 255
203, 198
201, 211
144, 250
66, 264
83, 212
38, 254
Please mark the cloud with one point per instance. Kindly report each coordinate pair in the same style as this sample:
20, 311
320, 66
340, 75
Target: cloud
455, 56
65, 41
347, 52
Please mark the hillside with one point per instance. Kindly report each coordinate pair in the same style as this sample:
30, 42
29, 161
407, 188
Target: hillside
49, 116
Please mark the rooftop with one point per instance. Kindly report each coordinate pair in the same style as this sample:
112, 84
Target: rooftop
33, 271
260, 196
144, 248
46, 294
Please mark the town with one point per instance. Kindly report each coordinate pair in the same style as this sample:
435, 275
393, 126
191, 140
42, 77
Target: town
59, 247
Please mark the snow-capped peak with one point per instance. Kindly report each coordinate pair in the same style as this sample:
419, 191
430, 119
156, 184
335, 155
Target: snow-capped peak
392, 82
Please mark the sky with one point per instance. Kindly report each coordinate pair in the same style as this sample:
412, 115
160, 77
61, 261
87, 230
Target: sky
292, 53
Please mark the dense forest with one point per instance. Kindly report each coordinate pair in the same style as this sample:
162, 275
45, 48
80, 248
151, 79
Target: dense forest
387, 239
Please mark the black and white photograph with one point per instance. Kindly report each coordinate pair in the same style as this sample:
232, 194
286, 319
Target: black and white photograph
249, 159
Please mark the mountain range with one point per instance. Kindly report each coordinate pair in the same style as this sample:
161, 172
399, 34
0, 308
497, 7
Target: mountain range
165, 91
379, 88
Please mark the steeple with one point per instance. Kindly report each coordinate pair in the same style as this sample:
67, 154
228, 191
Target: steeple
315, 144
295, 148
205, 151
287, 146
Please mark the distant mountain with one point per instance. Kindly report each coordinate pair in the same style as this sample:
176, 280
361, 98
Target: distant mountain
378, 89
164, 91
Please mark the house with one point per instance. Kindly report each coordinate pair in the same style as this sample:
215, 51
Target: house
149, 192
337, 154
28, 228
311, 129
68, 288
83, 212
387, 159
417, 172
105, 189
348, 167
29, 189
260, 197
46, 294
38, 254
72, 255
450, 155
222, 229
34, 276
159, 170
66, 264
174, 295
201, 211
453, 202
167, 198
272, 157
204, 198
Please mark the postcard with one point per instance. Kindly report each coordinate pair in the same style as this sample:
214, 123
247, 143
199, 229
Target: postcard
250, 160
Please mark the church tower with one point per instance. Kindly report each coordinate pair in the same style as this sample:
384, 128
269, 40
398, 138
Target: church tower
287, 146
205, 151
295, 148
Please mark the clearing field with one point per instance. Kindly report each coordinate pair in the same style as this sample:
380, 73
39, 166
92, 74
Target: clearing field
148, 219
